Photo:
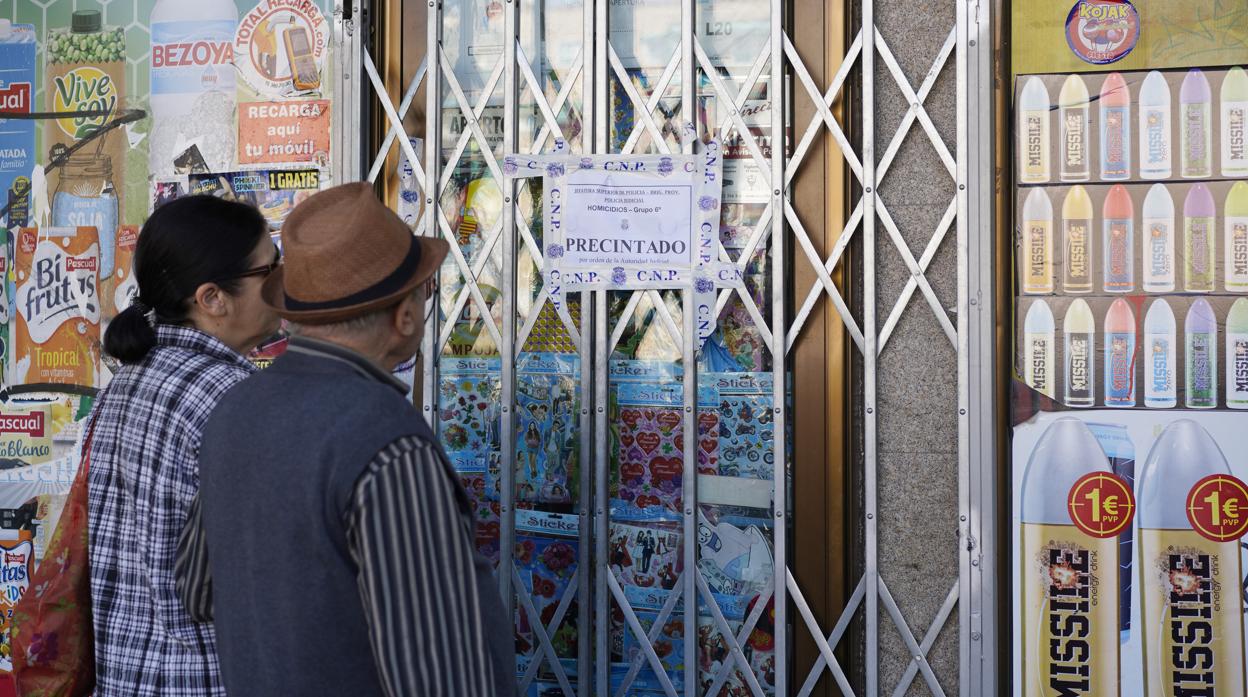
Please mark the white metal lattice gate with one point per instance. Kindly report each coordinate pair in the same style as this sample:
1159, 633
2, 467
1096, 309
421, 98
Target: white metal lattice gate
621, 77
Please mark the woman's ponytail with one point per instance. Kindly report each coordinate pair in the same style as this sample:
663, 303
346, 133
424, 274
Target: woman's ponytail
130, 335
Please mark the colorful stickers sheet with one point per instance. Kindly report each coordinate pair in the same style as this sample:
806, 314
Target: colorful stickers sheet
547, 422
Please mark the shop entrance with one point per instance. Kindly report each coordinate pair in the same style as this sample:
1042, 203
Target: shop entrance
646, 503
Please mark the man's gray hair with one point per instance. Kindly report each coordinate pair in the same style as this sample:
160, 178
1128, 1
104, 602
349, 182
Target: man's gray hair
366, 324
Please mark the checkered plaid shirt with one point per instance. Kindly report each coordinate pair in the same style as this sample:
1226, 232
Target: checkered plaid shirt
143, 475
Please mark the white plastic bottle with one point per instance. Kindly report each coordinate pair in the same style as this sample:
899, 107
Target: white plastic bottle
192, 82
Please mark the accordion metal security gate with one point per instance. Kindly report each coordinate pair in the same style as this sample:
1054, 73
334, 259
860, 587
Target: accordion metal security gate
617, 76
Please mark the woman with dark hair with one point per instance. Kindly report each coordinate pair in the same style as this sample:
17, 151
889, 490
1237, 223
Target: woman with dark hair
199, 265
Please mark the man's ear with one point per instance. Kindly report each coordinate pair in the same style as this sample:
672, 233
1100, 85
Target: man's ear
408, 315
211, 300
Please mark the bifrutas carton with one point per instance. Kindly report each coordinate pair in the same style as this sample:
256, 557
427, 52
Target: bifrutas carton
56, 336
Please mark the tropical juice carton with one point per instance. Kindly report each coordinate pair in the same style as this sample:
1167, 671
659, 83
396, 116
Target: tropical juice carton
56, 336
17, 136
85, 71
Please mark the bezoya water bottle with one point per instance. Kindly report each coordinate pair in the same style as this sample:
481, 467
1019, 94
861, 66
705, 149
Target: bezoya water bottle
192, 82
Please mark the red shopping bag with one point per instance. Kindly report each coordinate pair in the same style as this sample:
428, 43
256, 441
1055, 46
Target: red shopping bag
53, 645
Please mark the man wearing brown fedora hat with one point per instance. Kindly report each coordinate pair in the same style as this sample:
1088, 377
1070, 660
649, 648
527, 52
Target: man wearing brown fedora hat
337, 538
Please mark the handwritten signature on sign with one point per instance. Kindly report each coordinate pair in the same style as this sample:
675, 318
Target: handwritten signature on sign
1189, 30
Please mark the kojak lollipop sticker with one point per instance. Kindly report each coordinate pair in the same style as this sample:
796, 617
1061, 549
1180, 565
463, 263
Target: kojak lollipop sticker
1102, 31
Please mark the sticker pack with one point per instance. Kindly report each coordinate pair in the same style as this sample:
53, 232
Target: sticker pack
645, 556
547, 420
546, 554
469, 395
746, 433
629, 665
708, 428
651, 459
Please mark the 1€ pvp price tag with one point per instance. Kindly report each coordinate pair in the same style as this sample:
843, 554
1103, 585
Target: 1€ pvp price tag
1101, 504
1217, 508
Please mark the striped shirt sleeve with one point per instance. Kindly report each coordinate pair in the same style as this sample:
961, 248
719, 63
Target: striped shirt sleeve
192, 578
413, 546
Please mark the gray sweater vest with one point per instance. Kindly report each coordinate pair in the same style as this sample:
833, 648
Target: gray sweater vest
279, 462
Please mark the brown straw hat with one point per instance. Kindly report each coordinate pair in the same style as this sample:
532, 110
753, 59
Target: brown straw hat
345, 254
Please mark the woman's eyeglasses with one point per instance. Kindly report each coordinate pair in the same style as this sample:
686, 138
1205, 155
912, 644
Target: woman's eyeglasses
262, 271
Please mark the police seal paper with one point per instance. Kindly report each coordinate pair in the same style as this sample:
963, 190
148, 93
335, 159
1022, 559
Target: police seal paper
617, 222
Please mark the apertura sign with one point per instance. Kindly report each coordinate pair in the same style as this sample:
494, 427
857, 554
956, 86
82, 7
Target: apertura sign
621, 222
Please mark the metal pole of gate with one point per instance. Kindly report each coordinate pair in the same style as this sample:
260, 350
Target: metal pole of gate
433, 177
689, 115
507, 350
977, 414
779, 274
585, 597
601, 524
870, 353
597, 91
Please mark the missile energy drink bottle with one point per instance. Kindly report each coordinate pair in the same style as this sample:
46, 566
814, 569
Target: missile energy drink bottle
1195, 127
1234, 102
1201, 329
1160, 345
1158, 233
1037, 243
1235, 239
1118, 223
1155, 141
1079, 330
1198, 240
1191, 601
1033, 133
1073, 126
1038, 340
1120, 355
1069, 580
1077, 241
1237, 355
1115, 128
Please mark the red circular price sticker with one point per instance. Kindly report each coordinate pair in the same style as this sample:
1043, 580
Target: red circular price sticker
1217, 508
1101, 504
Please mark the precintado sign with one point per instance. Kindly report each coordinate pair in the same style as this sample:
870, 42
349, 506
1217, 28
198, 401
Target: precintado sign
632, 222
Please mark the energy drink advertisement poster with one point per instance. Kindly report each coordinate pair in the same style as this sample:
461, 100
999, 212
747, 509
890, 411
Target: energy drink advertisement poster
1157, 608
1130, 368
